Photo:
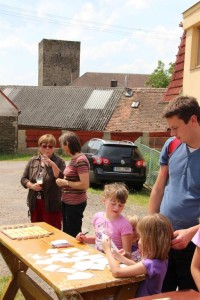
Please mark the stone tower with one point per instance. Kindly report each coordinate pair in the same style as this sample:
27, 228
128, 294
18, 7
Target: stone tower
59, 62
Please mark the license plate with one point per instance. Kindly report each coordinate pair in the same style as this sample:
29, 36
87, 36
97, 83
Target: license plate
122, 169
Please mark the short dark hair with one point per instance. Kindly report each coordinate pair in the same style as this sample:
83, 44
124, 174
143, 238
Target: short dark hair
72, 140
183, 107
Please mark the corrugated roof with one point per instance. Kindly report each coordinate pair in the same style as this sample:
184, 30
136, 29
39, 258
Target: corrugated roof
176, 82
65, 107
92, 79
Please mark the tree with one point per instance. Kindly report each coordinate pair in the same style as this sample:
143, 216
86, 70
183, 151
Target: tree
160, 78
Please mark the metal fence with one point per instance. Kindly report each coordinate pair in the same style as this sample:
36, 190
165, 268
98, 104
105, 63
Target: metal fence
151, 157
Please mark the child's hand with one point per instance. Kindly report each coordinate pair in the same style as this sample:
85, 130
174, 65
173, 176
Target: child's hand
81, 237
106, 244
118, 255
122, 252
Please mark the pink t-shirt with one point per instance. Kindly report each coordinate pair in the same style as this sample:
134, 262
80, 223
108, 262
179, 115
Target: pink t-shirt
196, 238
114, 229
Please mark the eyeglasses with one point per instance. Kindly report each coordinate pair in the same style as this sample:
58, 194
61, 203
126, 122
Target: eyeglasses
47, 146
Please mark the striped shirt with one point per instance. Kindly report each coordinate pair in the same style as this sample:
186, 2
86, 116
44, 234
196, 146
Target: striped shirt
78, 165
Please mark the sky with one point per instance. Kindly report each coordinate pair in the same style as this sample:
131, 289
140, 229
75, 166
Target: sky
116, 36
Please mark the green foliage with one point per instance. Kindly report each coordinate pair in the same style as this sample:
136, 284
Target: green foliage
26, 156
3, 283
160, 78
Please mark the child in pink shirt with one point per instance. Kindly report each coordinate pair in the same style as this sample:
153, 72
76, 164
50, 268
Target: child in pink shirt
111, 223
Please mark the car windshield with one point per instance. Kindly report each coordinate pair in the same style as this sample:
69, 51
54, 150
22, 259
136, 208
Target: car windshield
115, 150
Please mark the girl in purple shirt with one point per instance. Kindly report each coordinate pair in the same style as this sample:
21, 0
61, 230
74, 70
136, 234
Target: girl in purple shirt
155, 233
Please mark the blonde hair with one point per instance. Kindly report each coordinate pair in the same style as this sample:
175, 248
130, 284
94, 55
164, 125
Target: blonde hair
47, 139
156, 233
134, 220
118, 190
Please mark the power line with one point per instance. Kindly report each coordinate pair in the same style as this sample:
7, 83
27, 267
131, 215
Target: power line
84, 25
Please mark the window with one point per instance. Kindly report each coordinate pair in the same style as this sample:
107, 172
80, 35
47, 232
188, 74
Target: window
195, 51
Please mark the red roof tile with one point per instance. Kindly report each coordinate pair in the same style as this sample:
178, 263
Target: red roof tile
176, 83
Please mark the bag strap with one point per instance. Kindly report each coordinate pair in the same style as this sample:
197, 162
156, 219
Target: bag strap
173, 145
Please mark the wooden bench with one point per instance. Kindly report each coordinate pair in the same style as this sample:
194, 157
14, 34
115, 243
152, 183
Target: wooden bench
175, 295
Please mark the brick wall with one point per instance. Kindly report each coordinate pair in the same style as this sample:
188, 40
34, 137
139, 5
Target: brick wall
28, 138
8, 134
32, 136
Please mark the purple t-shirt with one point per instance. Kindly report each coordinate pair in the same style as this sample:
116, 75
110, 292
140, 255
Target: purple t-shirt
156, 270
196, 238
114, 229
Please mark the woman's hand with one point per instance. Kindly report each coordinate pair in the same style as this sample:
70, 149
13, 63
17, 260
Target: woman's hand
61, 182
34, 186
46, 160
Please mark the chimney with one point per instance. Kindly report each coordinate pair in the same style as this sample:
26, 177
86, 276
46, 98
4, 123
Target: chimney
113, 83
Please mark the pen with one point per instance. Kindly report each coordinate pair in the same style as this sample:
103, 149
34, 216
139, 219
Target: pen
85, 233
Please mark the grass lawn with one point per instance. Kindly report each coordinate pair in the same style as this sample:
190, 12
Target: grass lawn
3, 282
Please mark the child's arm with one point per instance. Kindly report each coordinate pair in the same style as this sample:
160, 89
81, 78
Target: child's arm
117, 271
195, 267
120, 257
127, 243
81, 237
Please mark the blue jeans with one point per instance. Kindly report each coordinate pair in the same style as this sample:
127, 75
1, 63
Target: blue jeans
178, 273
72, 218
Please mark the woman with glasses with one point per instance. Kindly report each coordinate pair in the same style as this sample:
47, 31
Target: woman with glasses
39, 176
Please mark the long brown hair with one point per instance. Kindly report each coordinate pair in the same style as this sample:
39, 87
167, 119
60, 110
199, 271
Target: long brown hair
156, 233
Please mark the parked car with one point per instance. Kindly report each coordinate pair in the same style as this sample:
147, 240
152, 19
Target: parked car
115, 161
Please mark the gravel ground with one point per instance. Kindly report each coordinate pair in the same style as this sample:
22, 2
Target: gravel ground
13, 209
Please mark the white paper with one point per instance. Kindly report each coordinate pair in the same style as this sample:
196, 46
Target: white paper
69, 250
37, 256
66, 270
98, 266
49, 251
82, 265
105, 237
44, 261
81, 253
51, 268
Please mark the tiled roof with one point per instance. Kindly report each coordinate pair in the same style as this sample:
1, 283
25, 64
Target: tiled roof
64, 107
176, 82
104, 80
147, 117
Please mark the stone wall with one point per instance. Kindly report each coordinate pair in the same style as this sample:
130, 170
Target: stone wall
8, 134
59, 62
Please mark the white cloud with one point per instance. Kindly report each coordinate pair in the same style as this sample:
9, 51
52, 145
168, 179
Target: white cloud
139, 5
116, 36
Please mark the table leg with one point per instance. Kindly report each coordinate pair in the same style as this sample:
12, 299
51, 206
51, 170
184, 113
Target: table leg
30, 289
14, 265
